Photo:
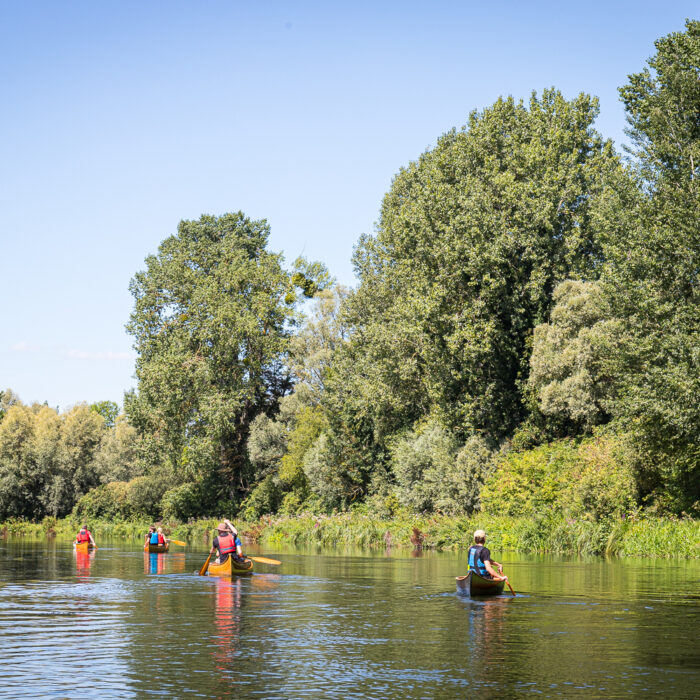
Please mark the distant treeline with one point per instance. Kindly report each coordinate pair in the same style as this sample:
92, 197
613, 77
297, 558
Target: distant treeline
524, 340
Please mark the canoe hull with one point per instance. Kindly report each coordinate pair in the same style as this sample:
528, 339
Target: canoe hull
231, 568
83, 546
156, 548
476, 586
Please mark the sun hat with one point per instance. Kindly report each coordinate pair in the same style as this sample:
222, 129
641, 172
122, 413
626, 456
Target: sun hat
479, 533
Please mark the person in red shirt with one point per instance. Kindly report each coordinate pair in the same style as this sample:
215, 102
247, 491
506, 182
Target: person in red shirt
84, 536
226, 543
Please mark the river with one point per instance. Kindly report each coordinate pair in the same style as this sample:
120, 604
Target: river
118, 623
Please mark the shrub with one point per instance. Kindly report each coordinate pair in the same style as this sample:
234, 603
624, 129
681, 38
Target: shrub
182, 502
590, 479
263, 499
434, 473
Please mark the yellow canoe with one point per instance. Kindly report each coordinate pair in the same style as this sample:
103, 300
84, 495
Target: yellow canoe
83, 546
156, 548
231, 567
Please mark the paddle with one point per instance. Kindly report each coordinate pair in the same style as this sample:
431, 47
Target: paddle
511, 587
180, 542
203, 570
265, 560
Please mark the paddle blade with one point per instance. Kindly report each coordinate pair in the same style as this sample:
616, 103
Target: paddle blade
203, 570
265, 560
180, 542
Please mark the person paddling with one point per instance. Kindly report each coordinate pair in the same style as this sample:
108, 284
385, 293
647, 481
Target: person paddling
84, 536
480, 559
227, 543
149, 534
157, 537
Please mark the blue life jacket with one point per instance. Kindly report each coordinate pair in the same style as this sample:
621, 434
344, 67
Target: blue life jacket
154, 538
476, 563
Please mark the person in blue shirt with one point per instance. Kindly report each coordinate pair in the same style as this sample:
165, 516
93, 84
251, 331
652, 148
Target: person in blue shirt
480, 559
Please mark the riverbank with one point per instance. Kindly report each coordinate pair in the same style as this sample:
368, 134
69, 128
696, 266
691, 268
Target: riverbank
642, 537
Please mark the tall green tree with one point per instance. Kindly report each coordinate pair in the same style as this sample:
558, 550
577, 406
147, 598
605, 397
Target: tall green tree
472, 240
212, 319
651, 280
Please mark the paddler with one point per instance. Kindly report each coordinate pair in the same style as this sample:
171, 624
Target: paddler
226, 543
157, 537
149, 534
479, 559
84, 535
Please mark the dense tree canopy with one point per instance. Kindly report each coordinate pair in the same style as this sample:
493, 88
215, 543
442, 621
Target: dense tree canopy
213, 314
472, 240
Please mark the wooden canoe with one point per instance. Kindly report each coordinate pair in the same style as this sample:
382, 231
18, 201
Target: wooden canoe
83, 546
156, 548
474, 585
231, 567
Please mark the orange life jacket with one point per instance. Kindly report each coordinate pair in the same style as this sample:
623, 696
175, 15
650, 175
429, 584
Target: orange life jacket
226, 544
83, 535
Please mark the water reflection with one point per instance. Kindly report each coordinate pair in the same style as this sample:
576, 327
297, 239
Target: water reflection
83, 561
361, 625
153, 563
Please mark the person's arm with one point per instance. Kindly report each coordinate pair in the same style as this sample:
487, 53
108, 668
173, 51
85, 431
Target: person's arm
92, 539
498, 566
492, 571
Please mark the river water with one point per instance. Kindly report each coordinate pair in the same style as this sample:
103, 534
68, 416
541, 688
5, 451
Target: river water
119, 623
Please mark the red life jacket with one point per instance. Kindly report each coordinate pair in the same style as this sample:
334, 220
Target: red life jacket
83, 536
161, 539
226, 544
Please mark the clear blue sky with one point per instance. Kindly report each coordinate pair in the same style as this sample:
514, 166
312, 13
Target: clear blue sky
119, 119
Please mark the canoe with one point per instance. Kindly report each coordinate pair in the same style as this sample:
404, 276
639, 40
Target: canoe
231, 567
83, 546
474, 585
156, 548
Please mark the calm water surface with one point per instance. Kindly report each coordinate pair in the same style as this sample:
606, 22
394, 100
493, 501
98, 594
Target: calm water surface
123, 624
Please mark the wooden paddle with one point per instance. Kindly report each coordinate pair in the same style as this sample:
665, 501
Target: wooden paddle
265, 560
203, 570
511, 587
180, 542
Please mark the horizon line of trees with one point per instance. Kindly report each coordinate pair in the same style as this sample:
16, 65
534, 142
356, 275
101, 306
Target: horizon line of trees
524, 338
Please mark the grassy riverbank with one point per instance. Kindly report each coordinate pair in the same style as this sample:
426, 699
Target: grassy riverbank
644, 537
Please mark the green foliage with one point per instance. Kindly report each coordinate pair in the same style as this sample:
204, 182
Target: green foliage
311, 349
122, 500
569, 368
211, 325
662, 109
589, 480
264, 499
472, 240
310, 277
183, 502
7, 398
651, 276
47, 460
309, 424
107, 501
117, 457
108, 410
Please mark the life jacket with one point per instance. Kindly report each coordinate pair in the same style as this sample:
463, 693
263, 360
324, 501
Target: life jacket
154, 538
476, 563
83, 536
161, 539
226, 545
